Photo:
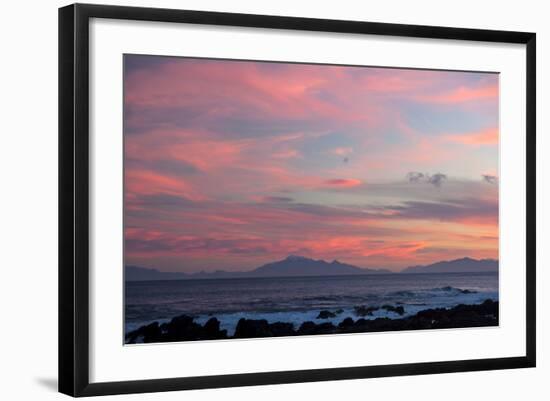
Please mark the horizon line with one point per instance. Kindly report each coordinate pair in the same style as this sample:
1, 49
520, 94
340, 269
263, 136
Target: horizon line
400, 270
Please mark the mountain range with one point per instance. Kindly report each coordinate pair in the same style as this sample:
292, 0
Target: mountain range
464, 265
294, 266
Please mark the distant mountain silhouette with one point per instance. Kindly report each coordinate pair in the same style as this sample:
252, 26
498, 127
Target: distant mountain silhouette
301, 266
464, 265
290, 266
295, 266
136, 273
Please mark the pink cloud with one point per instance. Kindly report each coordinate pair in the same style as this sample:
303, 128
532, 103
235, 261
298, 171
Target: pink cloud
224, 157
148, 182
225, 89
268, 229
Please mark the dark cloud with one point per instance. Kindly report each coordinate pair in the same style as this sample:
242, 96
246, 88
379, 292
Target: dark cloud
142, 119
139, 245
447, 210
162, 201
174, 168
415, 176
259, 125
328, 211
258, 250
436, 179
138, 62
490, 179
276, 199
234, 246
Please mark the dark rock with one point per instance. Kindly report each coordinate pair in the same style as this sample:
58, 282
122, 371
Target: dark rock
147, 334
307, 328
180, 328
279, 329
247, 328
212, 325
325, 328
346, 323
183, 328
396, 309
364, 310
485, 314
151, 333
310, 328
325, 314
211, 330
489, 307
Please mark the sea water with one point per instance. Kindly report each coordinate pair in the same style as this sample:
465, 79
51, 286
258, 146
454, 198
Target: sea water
299, 299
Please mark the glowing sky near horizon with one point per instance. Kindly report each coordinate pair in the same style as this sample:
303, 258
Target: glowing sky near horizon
233, 164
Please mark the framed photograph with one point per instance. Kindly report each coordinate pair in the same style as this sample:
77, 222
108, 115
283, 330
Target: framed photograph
251, 199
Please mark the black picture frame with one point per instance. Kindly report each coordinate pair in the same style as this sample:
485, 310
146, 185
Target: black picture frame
74, 198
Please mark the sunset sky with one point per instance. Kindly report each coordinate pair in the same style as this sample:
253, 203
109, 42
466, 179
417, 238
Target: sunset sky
233, 164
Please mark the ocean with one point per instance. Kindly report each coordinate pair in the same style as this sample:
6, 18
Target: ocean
300, 299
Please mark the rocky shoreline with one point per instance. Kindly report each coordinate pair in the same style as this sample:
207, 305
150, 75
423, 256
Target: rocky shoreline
184, 328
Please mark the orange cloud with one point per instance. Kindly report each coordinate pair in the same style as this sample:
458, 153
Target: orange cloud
462, 94
343, 182
342, 151
485, 137
286, 154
